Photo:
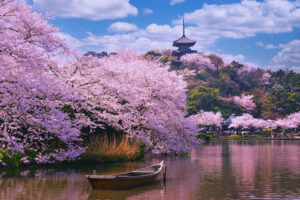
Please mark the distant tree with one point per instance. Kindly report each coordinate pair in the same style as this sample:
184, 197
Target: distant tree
245, 101
95, 54
284, 102
166, 59
289, 80
226, 82
202, 98
196, 61
207, 118
153, 54
247, 121
166, 52
216, 60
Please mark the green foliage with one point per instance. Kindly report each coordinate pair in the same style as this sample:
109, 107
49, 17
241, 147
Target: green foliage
204, 136
226, 82
289, 80
69, 110
227, 108
249, 80
208, 99
176, 67
274, 98
202, 98
235, 136
11, 159
153, 53
166, 59
202, 76
284, 102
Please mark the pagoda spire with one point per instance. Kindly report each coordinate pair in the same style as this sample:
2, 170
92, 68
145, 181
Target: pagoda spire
183, 44
183, 28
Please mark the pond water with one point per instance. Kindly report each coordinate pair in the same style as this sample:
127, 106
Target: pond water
253, 169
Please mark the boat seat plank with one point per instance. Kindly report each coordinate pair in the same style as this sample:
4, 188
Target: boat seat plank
102, 176
143, 172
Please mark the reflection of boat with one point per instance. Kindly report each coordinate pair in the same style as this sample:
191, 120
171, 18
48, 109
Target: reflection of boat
146, 191
127, 180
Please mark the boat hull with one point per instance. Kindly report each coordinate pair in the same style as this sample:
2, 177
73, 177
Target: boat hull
126, 180
120, 183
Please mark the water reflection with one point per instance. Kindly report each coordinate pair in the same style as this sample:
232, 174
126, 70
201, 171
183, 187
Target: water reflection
249, 169
153, 190
218, 170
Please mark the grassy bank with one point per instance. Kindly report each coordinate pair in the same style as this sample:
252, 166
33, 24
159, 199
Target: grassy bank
102, 149
112, 149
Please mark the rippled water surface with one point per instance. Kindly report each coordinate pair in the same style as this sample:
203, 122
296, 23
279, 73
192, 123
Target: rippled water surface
218, 170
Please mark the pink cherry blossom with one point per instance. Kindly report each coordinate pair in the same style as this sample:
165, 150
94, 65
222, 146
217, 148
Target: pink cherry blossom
31, 96
197, 61
245, 101
247, 120
208, 118
135, 95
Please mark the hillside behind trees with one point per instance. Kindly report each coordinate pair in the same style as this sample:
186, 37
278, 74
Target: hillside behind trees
234, 88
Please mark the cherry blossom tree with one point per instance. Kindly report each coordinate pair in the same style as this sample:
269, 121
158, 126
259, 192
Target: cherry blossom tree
247, 68
208, 118
135, 95
247, 121
197, 61
266, 78
31, 97
291, 121
245, 101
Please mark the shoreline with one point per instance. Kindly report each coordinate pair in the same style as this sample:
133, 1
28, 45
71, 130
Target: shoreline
240, 138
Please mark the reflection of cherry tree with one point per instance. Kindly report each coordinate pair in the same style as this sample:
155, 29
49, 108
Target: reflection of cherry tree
31, 97
136, 96
45, 184
254, 163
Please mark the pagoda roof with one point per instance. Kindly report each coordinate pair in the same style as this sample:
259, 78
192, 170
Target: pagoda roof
184, 40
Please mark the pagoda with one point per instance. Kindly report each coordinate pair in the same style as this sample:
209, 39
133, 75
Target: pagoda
184, 44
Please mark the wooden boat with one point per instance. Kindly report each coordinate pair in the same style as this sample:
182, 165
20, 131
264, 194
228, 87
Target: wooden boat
127, 180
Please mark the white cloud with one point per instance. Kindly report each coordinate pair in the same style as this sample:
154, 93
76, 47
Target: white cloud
152, 37
173, 2
271, 46
72, 42
228, 58
206, 26
245, 19
261, 44
288, 57
122, 27
268, 46
87, 9
147, 11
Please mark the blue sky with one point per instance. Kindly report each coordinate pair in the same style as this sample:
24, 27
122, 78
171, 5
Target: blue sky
263, 32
